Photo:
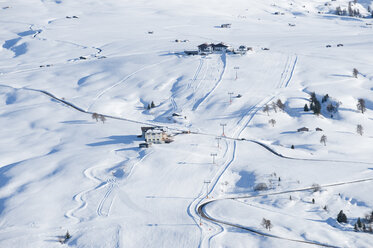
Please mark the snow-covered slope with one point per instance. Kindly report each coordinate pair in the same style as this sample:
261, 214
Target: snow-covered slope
62, 60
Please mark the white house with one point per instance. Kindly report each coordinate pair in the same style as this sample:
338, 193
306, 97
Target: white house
156, 136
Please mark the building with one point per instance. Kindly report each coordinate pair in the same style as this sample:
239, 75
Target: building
205, 48
157, 136
221, 47
303, 129
144, 130
226, 25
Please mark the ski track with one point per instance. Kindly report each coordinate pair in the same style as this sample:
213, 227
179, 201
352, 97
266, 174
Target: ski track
203, 99
122, 81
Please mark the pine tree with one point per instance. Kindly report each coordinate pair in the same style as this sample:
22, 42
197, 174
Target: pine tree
325, 98
359, 224
152, 105
317, 108
342, 218
280, 105
305, 108
148, 106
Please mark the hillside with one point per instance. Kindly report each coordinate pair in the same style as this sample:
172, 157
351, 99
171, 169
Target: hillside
77, 81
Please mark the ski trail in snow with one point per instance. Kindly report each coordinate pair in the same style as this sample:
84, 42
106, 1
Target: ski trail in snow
98, 96
203, 99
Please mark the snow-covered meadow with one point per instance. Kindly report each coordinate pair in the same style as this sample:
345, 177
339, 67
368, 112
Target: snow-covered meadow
61, 170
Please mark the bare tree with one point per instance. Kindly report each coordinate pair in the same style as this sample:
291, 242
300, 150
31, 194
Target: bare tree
355, 72
102, 118
323, 139
361, 105
272, 122
359, 129
274, 106
267, 224
266, 109
95, 116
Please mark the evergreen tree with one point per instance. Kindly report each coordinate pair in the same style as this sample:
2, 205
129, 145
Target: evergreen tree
148, 106
317, 107
280, 105
359, 224
342, 218
152, 105
305, 108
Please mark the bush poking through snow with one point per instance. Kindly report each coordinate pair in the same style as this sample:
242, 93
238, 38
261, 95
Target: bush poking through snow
266, 224
260, 187
341, 217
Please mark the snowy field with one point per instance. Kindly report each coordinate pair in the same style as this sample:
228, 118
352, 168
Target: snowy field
62, 60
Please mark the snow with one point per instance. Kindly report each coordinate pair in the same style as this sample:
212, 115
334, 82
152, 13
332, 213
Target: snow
62, 170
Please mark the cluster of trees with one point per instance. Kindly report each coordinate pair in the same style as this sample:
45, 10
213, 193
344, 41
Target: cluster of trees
97, 117
351, 11
365, 224
362, 224
278, 105
316, 106
151, 105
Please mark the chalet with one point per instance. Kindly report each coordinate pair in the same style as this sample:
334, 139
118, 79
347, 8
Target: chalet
303, 129
318, 129
241, 50
226, 25
205, 48
221, 47
144, 130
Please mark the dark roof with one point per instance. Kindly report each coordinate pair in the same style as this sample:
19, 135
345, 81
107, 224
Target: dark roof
221, 44
144, 129
204, 45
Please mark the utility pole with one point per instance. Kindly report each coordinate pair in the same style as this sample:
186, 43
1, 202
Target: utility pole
218, 139
207, 188
223, 125
213, 155
236, 68
230, 97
